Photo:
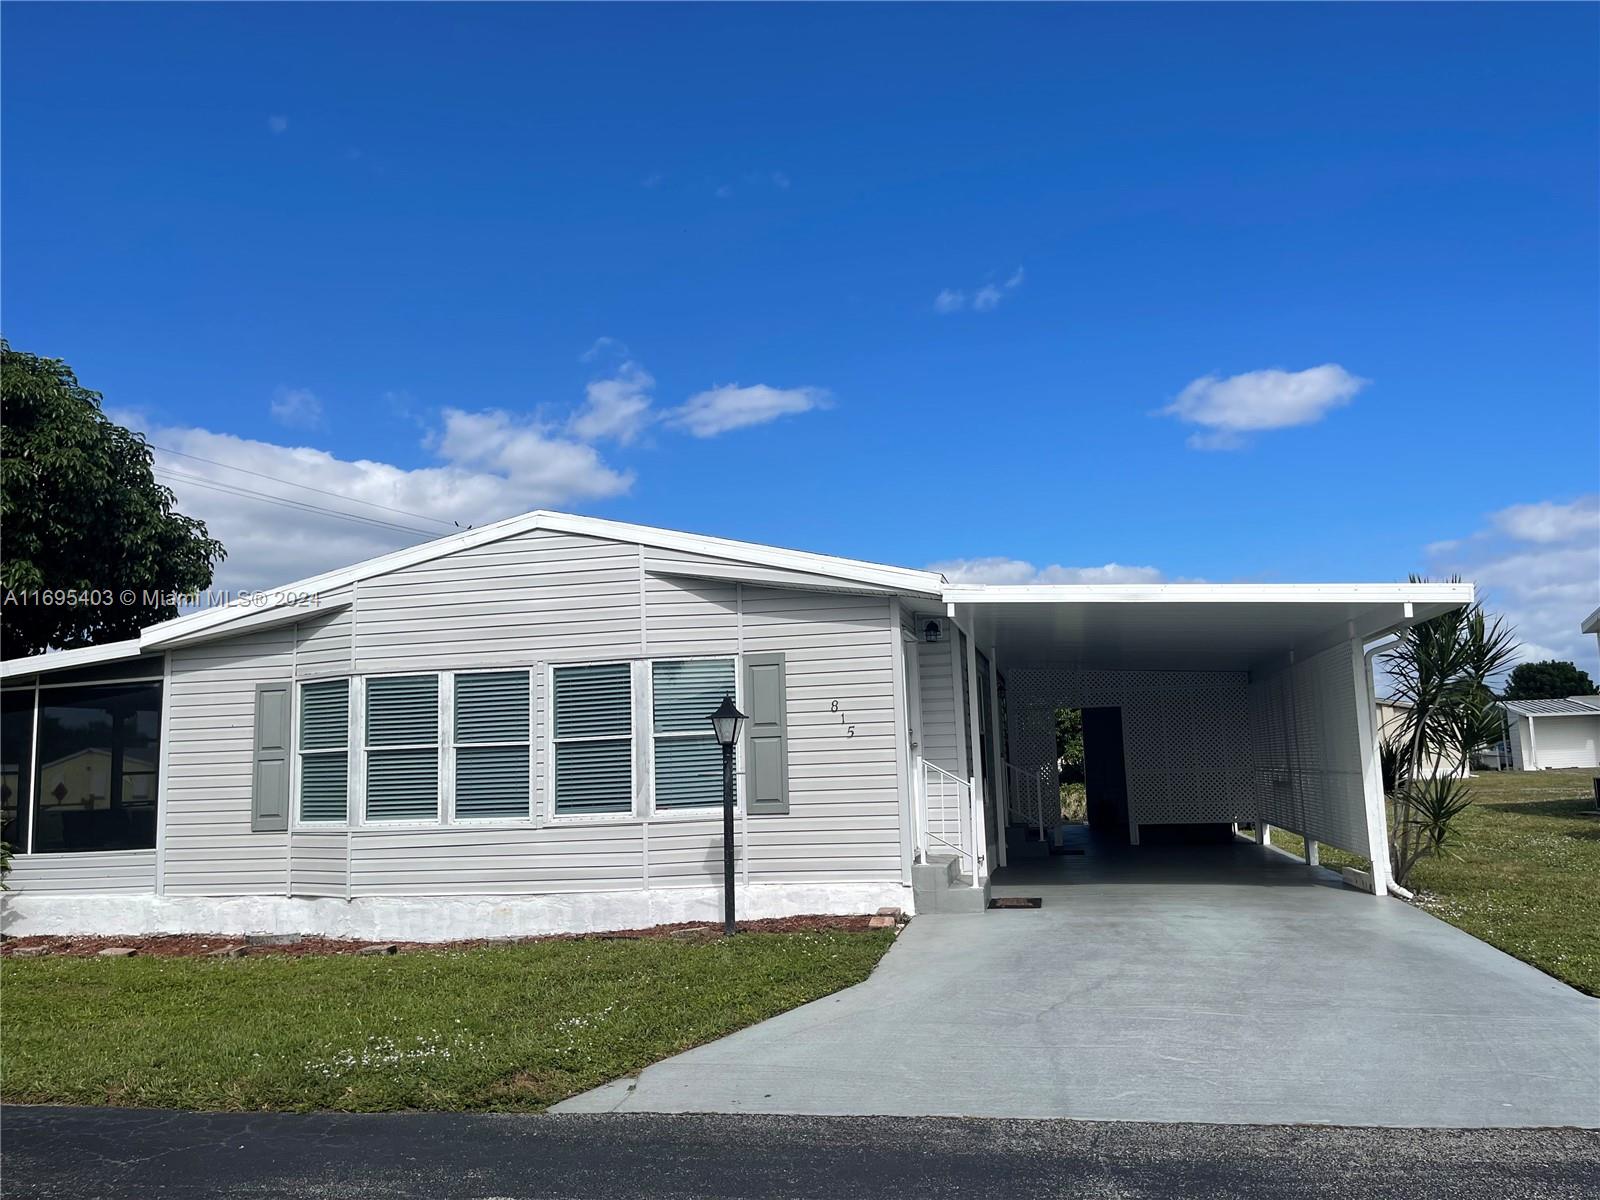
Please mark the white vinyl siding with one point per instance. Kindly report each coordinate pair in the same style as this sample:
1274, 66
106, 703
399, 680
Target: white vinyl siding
685, 755
843, 823
492, 745
210, 848
534, 602
592, 735
402, 748
84, 872
324, 744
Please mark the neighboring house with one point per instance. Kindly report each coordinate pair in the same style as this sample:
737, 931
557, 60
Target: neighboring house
1546, 734
505, 732
1391, 728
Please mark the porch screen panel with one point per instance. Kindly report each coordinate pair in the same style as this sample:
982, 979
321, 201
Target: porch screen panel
593, 735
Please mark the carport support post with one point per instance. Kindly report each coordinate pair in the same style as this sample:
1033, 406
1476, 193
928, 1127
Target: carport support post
1002, 781
1371, 771
1312, 857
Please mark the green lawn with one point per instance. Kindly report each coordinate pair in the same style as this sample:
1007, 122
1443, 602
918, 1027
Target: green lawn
510, 1027
1524, 874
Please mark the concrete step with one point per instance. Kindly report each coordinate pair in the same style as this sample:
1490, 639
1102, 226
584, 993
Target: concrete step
938, 887
938, 871
964, 898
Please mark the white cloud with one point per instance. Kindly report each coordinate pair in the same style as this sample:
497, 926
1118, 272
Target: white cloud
1547, 522
1539, 565
490, 465
729, 407
985, 298
278, 123
617, 408
1015, 570
296, 408
1226, 409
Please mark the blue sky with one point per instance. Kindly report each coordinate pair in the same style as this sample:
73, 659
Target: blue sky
1267, 293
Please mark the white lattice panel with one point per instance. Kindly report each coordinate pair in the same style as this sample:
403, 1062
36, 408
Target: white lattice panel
1186, 735
1307, 761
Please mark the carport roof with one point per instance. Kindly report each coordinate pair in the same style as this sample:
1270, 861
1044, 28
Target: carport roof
1188, 626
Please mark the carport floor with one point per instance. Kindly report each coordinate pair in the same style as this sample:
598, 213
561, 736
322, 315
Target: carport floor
1216, 983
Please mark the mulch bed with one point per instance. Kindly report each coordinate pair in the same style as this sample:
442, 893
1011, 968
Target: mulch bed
189, 945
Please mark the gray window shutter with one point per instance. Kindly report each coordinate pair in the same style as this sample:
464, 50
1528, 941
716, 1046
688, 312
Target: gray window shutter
269, 798
766, 735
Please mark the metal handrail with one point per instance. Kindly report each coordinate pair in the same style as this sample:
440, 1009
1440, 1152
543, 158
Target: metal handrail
1028, 791
954, 795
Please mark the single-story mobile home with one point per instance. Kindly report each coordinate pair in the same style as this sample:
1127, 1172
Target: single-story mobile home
506, 731
1546, 734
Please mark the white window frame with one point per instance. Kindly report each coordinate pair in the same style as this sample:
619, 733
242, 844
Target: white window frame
529, 743
350, 722
552, 817
692, 812
446, 713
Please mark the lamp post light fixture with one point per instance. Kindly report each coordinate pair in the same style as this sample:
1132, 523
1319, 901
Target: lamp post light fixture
726, 721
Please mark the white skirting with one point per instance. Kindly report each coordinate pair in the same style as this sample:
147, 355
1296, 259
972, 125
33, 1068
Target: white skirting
431, 918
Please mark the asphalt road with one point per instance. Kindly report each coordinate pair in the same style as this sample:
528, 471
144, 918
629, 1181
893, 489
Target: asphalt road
90, 1154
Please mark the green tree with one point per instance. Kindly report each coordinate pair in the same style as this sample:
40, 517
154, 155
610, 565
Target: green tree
82, 512
1548, 680
1069, 744
1439, 671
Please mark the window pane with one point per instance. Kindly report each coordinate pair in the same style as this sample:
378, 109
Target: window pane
594, 777
685, 694
324, 786
594, 701
325, 714
98, 752
16, 767
403, 785
492, 781
402, 709
688, 772
492, 707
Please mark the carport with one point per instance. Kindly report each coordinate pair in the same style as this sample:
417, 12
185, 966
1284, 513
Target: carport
1215, 705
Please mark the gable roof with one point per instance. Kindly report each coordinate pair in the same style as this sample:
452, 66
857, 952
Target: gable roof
212, 622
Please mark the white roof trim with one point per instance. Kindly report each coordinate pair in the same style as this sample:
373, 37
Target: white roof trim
1211, 593
213, 621
65, 660
1591, 623
1571, 707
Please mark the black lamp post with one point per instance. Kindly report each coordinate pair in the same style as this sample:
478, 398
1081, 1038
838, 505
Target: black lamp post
726, 721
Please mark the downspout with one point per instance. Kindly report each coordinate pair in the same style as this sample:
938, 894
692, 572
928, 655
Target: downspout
1368, 655
1394, 888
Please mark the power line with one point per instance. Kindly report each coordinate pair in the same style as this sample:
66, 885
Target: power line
307, 487
286, 502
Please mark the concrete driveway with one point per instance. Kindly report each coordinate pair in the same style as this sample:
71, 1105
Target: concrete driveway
1219, 984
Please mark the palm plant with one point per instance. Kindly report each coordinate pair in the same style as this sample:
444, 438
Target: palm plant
1439, 672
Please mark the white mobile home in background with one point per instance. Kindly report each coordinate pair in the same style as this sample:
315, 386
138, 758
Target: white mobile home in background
504, 732
1547, 734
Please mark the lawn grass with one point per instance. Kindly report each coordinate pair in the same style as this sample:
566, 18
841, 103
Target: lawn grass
507, 1027
1523, 874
